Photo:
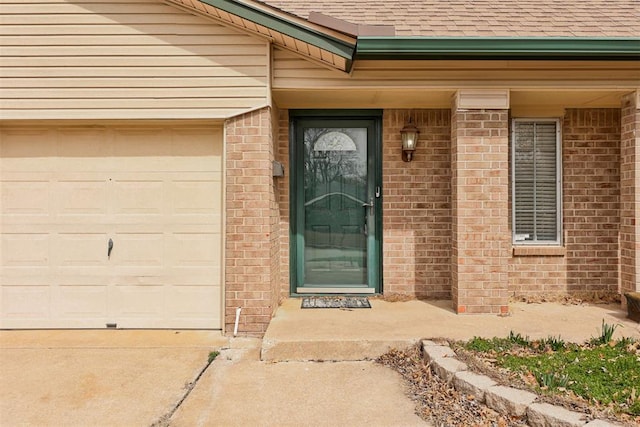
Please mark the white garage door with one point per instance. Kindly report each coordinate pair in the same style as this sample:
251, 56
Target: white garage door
154, 191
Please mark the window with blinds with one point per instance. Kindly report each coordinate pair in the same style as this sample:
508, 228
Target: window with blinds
536, 182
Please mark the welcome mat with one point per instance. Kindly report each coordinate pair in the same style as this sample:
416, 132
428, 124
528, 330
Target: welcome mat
336, 302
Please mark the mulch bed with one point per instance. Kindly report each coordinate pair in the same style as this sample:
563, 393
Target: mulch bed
437, 401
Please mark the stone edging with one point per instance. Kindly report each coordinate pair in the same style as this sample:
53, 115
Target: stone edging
506, 400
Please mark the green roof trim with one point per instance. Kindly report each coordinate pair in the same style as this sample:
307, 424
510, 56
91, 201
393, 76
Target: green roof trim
538, 48
284, 26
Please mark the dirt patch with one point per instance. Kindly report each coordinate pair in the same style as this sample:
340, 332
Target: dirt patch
437, 401
394, 297
576, 298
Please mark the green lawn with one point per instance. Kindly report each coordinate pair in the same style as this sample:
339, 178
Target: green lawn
603, 372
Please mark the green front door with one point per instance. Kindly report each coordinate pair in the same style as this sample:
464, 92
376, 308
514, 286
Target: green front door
336, 204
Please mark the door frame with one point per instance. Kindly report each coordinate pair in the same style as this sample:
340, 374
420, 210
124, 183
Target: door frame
374, 272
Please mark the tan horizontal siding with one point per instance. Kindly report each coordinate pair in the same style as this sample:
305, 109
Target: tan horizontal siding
27, 73
118, 59
294, 72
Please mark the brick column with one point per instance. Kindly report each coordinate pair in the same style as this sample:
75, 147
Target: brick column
630, 194
480, 197
251, 208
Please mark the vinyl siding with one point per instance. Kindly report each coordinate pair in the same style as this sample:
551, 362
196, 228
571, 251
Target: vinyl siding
119, 59
291, 71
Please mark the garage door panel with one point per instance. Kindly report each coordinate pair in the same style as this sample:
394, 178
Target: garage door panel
25, 302
201, 154
21, 277
84, 302
27, 150
83, 150
191, 276
155, 191
25, 251
138, 197
142, 302
193, 302
196, 197
82, 250
82, 277
81, 197
138, 251
142, 150
25, 197
193, 250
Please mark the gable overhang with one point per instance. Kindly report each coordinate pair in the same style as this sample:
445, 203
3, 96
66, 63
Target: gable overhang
488, 48
317, 43
339, 49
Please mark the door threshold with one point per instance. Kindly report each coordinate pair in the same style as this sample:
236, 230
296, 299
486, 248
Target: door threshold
332, 290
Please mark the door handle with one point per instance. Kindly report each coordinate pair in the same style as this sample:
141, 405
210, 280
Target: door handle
109, 248
369, 205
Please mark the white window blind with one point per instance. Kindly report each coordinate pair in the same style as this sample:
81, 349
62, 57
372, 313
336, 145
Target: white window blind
536, 182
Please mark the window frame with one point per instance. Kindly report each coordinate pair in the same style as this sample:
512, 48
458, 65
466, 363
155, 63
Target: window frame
559, 232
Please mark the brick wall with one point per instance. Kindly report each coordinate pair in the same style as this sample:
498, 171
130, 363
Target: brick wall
274, 200
429, 252
417, 206
591, 188
481, 237
591, 191
630, 195
538, 276
250, 205
282, 155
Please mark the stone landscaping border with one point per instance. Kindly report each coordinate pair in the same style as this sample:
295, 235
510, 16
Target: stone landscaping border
506, 400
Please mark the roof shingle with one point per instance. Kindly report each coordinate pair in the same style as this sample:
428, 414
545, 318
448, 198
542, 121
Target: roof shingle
487, 18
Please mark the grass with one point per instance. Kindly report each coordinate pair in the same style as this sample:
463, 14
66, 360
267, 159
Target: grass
213, 355
602, 371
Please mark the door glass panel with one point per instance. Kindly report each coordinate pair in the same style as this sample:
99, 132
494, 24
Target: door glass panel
335, 221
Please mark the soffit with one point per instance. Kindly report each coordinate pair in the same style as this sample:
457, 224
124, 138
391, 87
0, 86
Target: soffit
522, 102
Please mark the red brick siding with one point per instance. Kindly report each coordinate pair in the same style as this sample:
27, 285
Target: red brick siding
276, 231
428, 222
591, 195
538, 276
282, 155
250, 201
591, 188
481, 238
630, 195
417, 206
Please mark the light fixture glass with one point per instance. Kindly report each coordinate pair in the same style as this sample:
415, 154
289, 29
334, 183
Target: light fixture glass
409, 135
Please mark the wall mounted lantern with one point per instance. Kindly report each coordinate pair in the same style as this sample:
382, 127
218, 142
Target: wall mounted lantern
409, 135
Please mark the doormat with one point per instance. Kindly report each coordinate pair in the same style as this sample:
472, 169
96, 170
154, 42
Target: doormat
335, 302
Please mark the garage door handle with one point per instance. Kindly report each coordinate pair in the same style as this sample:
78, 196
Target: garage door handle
109, 248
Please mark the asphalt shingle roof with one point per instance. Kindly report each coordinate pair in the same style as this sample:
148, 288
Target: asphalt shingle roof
485, 18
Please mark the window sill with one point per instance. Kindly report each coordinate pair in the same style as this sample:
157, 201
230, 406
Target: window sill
539, 251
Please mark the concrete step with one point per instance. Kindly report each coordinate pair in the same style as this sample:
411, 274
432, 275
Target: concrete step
279, 350
296, 334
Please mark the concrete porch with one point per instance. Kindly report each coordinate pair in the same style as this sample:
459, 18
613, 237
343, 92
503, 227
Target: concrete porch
357, 334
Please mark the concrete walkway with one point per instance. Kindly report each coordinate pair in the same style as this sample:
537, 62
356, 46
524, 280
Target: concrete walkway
240, 390
99, 377
135, 378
